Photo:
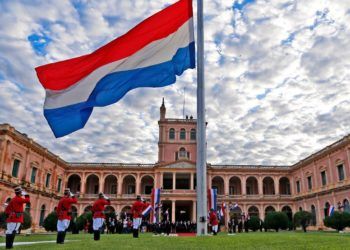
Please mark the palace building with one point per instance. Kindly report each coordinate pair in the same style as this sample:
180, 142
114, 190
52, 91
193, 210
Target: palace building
312, 184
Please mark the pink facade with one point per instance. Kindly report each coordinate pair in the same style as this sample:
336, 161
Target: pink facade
320, 180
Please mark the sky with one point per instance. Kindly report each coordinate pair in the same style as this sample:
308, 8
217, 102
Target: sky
276, 71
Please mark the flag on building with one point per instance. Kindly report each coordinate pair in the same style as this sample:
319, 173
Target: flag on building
155, 200
212, 199
151, 54
331, 210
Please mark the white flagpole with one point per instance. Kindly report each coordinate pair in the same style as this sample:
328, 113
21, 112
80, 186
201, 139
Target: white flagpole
201, 164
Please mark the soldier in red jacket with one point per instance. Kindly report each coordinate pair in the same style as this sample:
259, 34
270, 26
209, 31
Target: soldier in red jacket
64, 214
213, 220
14, 214
136, 210
98, 214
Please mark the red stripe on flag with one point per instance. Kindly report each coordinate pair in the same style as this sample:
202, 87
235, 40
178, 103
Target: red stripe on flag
63, 74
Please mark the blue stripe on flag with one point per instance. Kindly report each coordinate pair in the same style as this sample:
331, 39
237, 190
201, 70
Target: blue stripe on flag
114, 86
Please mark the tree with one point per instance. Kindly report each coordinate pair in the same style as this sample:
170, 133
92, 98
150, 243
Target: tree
254, 223
50, 222
302, 218
338, 220
276, 221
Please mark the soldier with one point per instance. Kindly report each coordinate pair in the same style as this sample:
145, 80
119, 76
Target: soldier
14, 215
98, 214
213, 219
64, 214
136, 211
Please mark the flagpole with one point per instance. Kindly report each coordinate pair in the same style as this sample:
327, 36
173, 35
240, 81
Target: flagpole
201, 165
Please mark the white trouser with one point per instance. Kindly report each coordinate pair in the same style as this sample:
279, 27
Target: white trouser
62, 225
12, 227
215, 228
97, 223
136, 222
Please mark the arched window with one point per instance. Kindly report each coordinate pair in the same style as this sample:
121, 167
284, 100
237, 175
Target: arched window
182, 153
193, 134
182, 134
172, 134
313, 215
42, 215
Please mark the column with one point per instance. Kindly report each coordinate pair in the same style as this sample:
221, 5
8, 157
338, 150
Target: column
261, 212
174, 180
192, 181
161, 180
347, 173
317, 176
277, 185
319, 212
292, 185
138, 184
120, 185
332, 179
244, 189
173, 207
226, 186
101, 183
194, 211
260, 186
82, 184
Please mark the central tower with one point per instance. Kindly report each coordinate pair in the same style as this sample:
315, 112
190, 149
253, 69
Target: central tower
177, 138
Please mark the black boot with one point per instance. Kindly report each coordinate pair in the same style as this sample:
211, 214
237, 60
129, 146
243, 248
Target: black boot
9, 241
63, 237
134, 233
98, 234
59, 238
137, 233
95, 235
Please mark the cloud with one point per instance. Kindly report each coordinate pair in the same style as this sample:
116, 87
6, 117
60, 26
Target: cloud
277, 83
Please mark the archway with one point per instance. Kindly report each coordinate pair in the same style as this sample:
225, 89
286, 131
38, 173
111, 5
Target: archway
129, 184
218, 183
269, 209
268, 186
42, 215
288, 211
235, 186
253, 211
284, 186
111, 184
147, 184
313, 215
74, 183
252, 186
92, 184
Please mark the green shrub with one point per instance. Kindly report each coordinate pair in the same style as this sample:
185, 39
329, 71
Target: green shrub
50, 222
82, 219
276, 221
27, 220
302, 219
254, 223
338, 220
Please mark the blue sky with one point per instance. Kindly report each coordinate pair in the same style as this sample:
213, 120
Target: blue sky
276, 72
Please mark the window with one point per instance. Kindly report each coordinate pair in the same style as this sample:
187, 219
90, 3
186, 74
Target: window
59, 185
298, 186
309, 182
15, 168
32, 178
48, 177
340, 172
313, 215
172, 134
183, 153
324, 178
182, 134
193, 134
